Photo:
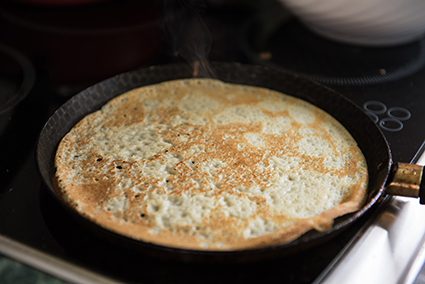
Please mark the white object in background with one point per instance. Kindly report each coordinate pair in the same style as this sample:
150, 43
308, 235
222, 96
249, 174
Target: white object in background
364, 22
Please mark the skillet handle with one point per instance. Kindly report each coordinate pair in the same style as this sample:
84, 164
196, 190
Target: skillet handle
407, 180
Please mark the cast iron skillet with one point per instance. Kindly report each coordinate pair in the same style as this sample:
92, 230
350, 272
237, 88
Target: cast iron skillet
369, 138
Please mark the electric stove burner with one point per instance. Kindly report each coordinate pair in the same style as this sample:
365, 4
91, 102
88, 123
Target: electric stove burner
294, 48
81, 45
17, 77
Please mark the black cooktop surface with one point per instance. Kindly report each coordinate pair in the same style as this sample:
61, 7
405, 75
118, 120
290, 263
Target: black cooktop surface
28, 214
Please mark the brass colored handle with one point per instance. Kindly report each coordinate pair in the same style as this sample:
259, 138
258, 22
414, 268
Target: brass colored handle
407, 181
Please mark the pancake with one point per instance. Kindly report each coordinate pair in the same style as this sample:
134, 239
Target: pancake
201, 164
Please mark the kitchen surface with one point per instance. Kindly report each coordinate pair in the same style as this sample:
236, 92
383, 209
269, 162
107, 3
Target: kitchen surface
43, 65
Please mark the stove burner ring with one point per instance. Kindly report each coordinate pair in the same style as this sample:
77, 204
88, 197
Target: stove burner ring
399, 113
373, 116
28, 79
391, 124
402, 72
375, 107
413, 67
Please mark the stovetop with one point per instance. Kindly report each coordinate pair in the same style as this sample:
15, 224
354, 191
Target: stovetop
32, 218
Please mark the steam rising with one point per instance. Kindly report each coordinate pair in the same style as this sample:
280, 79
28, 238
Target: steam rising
187, 34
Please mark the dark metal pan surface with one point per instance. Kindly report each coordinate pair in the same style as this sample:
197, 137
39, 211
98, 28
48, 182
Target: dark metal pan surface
363, 129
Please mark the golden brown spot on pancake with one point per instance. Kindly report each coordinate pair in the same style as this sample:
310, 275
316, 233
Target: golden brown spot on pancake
129, 111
